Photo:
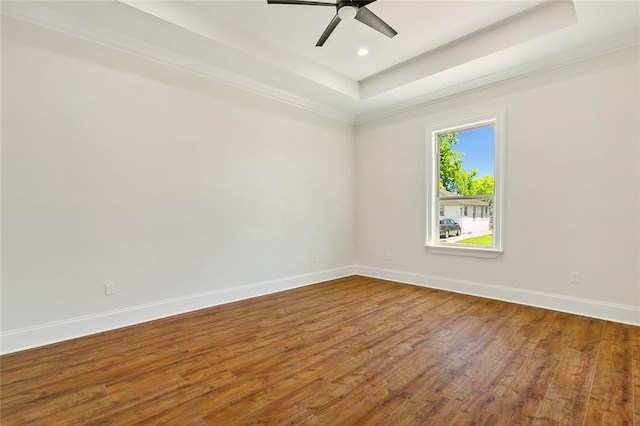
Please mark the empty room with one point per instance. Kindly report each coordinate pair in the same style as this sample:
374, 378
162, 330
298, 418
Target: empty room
320, 212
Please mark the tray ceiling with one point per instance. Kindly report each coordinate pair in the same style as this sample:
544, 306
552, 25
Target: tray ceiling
442, 47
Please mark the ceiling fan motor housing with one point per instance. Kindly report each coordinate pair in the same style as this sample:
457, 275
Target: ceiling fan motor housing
347, 9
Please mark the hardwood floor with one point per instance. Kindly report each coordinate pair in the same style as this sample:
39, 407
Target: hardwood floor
350, 351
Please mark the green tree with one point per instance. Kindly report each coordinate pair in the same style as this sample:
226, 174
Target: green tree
466, 181
453, 177
450, 162
482, 186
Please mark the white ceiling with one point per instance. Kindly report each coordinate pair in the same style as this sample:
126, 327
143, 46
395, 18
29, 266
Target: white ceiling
422, 26
442, 47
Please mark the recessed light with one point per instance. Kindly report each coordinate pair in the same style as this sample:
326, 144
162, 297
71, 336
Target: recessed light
362, 52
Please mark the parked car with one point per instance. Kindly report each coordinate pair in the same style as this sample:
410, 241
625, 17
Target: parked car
449, 227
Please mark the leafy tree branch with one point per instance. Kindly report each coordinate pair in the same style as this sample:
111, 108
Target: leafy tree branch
453, 177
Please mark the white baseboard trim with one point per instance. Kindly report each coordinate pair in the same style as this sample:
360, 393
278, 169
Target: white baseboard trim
591, 308
31, 337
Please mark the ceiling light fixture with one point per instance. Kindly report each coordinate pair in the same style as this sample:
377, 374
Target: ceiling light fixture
347, 12
346, 9
362, 51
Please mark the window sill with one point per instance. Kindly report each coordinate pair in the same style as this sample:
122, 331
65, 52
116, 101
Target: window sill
487, 253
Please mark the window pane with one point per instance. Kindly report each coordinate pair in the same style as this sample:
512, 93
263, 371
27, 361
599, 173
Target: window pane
467, 186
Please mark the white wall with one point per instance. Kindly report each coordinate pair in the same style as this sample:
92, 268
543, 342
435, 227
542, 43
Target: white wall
186, 193
115, 169
572, 140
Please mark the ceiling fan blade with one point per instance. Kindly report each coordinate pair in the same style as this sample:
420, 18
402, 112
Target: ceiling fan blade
369, 18
327, 32
362, 3
301, 2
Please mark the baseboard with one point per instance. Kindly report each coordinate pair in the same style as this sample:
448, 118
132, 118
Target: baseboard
26, 338
591, 308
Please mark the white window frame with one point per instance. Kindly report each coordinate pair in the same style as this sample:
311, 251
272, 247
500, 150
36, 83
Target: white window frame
497, 118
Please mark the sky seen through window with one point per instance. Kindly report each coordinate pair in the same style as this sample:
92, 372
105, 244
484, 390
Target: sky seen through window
478, 148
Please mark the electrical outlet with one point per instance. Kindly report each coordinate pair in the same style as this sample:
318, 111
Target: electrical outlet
389, 255
110, 289
315, 258
575, 277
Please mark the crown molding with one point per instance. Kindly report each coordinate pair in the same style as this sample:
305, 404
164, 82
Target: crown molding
39, 14
45, 17
548, 63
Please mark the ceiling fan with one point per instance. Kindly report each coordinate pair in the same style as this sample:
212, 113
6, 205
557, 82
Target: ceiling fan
346, 10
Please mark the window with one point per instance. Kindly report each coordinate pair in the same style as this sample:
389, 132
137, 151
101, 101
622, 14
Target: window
464, 183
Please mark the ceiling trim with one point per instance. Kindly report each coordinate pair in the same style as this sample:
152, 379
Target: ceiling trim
559, 60
45, 17
189, 16
540, 20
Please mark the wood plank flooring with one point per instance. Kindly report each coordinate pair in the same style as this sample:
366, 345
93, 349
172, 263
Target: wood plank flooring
350, 351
